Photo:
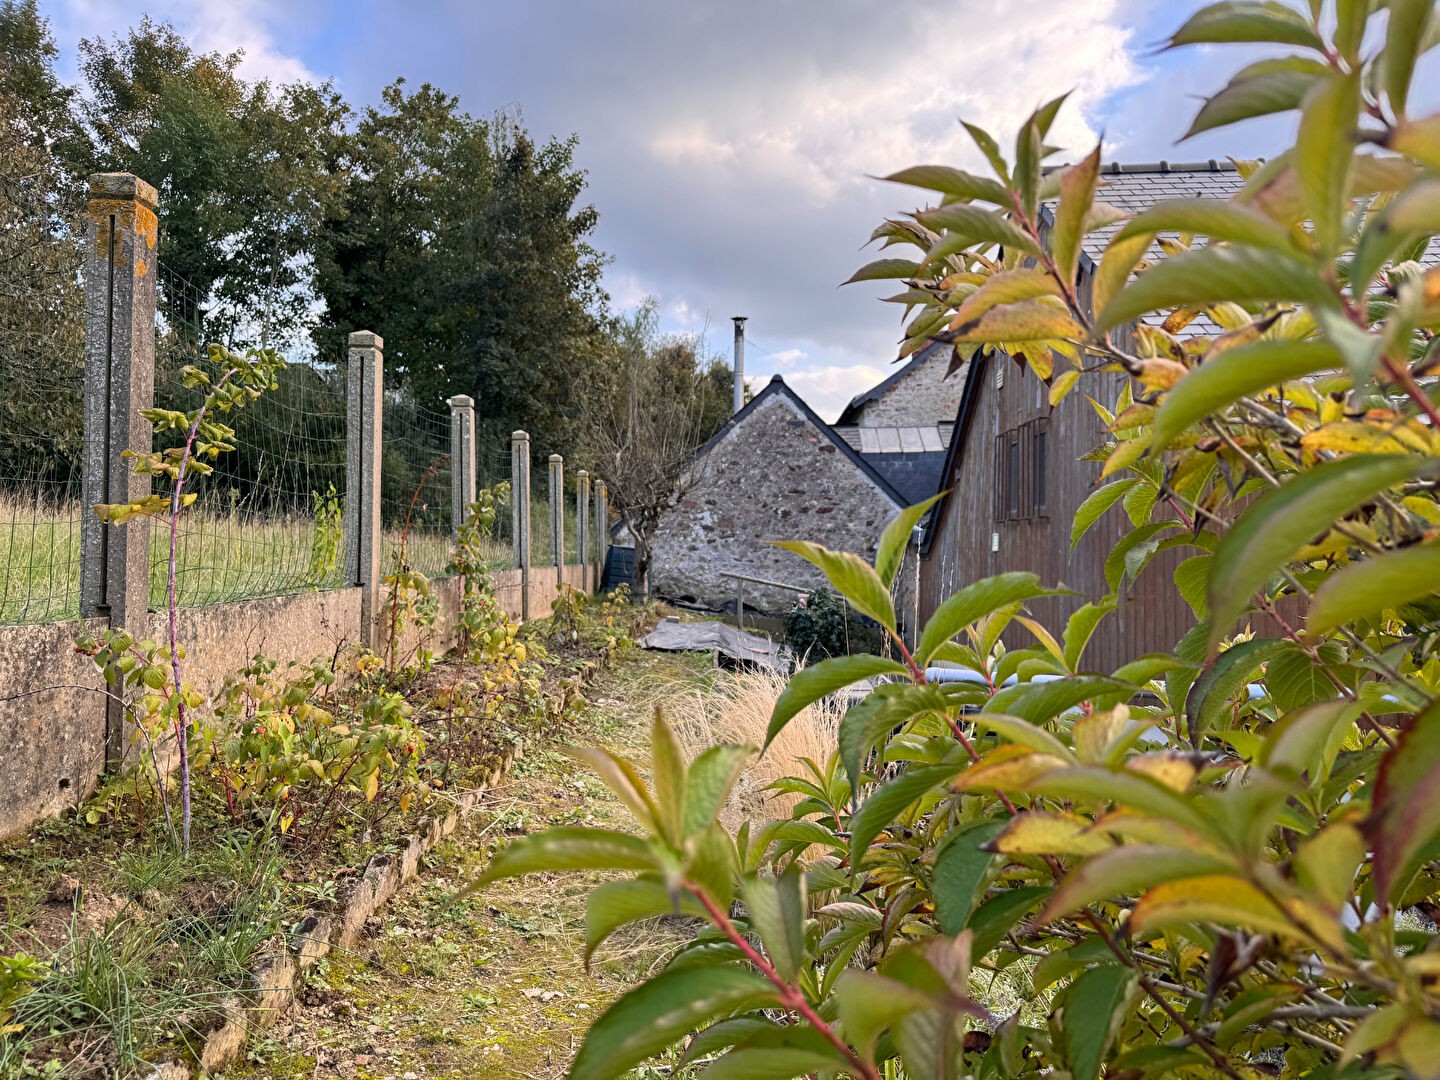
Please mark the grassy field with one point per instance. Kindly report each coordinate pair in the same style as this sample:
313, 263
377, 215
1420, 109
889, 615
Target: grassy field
220, 557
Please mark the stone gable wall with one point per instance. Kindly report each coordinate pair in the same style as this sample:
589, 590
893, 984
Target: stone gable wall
921, 398
773, 477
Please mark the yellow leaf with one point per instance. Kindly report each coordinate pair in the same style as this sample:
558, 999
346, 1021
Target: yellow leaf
1042, 833
405, 799
1161, 374
1175, 772
372, 785
1008, 766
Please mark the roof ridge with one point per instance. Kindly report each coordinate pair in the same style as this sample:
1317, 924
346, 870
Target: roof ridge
1118, 168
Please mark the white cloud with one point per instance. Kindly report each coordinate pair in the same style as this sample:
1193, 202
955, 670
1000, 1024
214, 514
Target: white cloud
210, 25
828, 389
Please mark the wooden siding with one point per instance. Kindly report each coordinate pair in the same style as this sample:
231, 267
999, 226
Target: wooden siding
1151, 617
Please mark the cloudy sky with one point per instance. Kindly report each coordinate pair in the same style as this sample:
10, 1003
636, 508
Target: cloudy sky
729, 143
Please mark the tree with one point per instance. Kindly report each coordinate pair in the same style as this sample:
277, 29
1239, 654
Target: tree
243, 172
41, 316
1214, 859
645, 417
460, 241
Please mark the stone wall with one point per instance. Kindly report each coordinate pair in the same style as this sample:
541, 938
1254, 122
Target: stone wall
55, 737
773, 476
924, 396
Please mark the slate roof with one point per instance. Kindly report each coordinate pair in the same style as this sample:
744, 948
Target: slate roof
1139, 187
916, 476
897, 440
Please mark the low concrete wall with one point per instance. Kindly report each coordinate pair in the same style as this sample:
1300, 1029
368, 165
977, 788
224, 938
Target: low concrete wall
54, 740
54, 734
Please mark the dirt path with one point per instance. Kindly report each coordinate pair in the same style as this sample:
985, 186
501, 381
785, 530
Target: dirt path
491, 985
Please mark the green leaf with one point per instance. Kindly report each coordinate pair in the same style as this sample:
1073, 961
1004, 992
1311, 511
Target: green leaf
890, 554
1247, 21
1038, 703
777, 913
569, 848
884, 270
886, 708
667, 763
1127, 871
1116, 265
1191, 578
972, 604
1280, 522
1212, 274
1324, 147
955, 183
1095, 505
1369, 586
1293, 680
810, 684
972, 225
1134, 550
1249, 96
1077, 195
1093, 1013
1212, 695
1024, 732
1405, 810
960, 867
712, 774
991, 149
660, 1012
1235, 373
621, 778
997, 916
1123, 786
1080, 628
773, 1063
852, 577
869, 1003
1413, 213
1404, 37
885, 804
619, 903
1212, 218
1305, 742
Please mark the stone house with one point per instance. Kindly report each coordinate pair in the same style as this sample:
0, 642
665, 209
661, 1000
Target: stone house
775, 471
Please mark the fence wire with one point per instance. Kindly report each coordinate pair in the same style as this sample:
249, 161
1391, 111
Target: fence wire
41, 441
268, 520
415, 487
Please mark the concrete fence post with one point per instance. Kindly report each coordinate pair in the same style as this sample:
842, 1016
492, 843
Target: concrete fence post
365, 383
582, 526
120, 272
557, 517
602, 531
520, 511
462, 458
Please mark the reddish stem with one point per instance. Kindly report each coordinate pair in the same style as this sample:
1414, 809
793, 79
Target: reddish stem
791, 997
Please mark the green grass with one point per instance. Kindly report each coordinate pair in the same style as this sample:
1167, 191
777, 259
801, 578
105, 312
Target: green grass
145, 959
220, 557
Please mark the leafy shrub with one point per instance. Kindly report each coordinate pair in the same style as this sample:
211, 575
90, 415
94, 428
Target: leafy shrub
1216, 857
820, 625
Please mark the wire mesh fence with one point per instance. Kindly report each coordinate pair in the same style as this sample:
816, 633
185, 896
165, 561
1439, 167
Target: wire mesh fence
42, 342
41, 441
268, 520
415, 487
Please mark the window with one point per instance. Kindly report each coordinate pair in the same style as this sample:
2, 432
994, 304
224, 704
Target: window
1020, 471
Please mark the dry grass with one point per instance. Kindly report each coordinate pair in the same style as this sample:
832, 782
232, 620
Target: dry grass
737, 710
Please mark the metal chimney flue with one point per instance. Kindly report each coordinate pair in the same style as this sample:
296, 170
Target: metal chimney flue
739, 321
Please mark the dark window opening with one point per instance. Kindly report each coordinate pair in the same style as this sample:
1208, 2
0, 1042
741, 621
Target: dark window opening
1020, 471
